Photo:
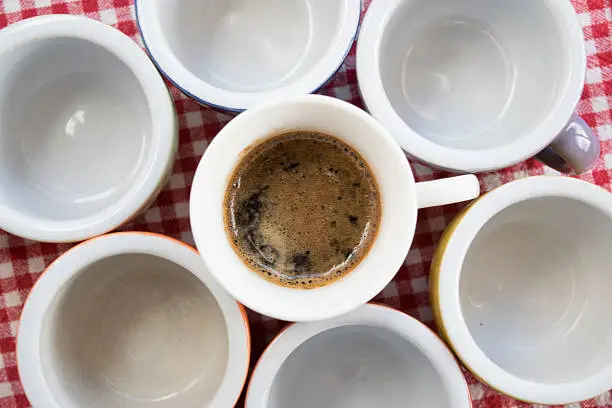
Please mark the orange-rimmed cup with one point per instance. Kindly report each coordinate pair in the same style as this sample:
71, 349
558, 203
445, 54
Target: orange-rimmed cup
520, 283
135, 320
374, 356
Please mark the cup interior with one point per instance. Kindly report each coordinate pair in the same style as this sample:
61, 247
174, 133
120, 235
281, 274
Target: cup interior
246, 46
357, 366
134, 331
474, 74
535, 286
75, 129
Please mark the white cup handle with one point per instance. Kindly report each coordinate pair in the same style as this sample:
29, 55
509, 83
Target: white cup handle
447, 191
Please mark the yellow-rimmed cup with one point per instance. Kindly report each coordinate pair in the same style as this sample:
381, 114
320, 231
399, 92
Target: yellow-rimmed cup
520, 283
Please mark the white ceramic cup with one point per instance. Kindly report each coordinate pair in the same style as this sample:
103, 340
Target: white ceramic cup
88, 131
521, 289
478, 85
131, 320
234, 54
374, 356
401, 198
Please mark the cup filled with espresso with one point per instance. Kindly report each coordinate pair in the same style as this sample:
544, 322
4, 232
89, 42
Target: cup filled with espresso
305, 208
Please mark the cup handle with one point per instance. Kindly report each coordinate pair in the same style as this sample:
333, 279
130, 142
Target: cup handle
447, 191
575, 150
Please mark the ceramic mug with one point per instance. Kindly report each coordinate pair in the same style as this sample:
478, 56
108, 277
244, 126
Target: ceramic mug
234, 54
88, 133
520, 284
131, 319
374, 356
401, 198
478, 85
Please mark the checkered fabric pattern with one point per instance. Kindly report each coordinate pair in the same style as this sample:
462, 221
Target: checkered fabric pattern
22, 261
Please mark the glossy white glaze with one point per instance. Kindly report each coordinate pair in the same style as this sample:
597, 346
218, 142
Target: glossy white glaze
234, 54
372, 357
523, 289
471, 85
131, 320
88, 131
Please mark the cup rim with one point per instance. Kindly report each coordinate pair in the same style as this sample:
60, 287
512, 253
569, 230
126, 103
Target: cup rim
64, 268
231, 101
164, 134
446, 296
375, 98
377, 315
366, 280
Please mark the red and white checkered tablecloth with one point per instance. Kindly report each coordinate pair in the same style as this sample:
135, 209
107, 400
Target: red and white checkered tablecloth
22, 261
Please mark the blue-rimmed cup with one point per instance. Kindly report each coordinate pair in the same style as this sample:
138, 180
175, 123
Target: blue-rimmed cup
233, 54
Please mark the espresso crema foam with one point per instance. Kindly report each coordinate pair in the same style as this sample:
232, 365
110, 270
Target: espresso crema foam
302, 209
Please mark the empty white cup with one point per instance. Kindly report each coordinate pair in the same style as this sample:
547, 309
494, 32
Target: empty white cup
88, 131
374, 356
478, 85
131, 320
521, 289
233, 54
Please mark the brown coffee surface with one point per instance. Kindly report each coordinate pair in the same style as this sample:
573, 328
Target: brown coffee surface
302, 209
